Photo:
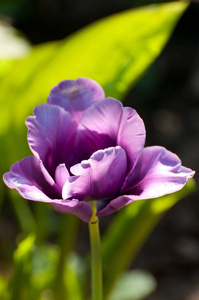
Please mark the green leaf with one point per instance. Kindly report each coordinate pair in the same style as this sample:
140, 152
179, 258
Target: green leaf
24, 249
23, 212
74, 271
114, 51
44, 263
12, 8
130, 229
66, 242
4, 291
134, 285
20, 282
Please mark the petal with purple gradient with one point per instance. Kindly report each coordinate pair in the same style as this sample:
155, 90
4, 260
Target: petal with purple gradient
98, 127
100, 177
61, 175
81, 209
76, 96
114, 205
107, 124
157, 172
131, 135
27, 178
51, 135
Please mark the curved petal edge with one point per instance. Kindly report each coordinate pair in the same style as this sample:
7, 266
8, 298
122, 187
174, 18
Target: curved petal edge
75, 96
81, 209
158, 172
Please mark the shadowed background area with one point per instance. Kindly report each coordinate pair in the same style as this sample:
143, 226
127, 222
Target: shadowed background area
167, 99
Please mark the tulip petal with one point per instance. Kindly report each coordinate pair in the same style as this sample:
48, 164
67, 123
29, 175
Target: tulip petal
114, 205
76, 96
107, 124
81, 209
131, 135
27, 178
100, 177
51, 135
61, 175
98, 128
157, 172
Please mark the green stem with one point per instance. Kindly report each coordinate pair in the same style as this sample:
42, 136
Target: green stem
96, 266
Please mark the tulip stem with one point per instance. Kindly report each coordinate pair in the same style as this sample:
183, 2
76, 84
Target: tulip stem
96, 266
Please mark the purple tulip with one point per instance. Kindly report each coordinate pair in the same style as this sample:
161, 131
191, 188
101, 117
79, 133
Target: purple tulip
87, 147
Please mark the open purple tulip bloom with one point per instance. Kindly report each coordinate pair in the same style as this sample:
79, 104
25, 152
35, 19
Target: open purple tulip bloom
87, 147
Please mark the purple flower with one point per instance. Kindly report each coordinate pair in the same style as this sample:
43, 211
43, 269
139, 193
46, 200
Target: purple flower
87, 147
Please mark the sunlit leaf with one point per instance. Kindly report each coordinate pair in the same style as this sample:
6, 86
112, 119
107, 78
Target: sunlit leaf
134, 285
24, 248
114, 51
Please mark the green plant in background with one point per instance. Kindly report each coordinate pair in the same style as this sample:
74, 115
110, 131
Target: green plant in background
115, 52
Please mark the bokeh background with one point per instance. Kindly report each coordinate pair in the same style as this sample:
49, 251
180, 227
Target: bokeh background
167, 98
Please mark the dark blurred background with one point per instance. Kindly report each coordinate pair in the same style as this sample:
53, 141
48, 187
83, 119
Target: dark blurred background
167, 98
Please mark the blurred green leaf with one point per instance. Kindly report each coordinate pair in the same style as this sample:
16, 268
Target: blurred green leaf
66, 243
11, 8
114, 51
134, 285
13, 45
73, 274
20, 282
130, 229
43, 274
24, 249
34, 270
23, 212
4, 293
44, 263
